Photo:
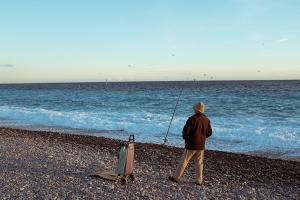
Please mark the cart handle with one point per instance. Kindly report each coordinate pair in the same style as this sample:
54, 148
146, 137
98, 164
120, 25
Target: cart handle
131, 138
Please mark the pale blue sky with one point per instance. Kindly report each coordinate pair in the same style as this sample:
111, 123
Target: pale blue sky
85, 40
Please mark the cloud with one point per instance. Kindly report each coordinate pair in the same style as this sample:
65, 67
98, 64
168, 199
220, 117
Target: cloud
6, 65
131, 66
281, 40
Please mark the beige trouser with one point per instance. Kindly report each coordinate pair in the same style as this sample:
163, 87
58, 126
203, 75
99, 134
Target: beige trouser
198, 156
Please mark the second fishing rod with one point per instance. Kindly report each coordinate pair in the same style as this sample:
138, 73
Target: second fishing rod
174, 111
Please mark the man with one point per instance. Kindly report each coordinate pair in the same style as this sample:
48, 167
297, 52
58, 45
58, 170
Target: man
195, 131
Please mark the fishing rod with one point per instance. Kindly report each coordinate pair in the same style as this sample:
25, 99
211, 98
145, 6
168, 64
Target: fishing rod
165, 140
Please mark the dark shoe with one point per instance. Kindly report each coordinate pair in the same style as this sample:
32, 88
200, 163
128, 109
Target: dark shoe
171, 178
197, 183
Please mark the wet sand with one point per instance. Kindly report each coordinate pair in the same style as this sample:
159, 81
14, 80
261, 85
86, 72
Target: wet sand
45, 165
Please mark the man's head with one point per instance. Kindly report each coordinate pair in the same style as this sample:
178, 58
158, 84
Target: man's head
199, 107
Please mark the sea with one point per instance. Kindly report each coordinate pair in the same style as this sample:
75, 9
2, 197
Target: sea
252, 117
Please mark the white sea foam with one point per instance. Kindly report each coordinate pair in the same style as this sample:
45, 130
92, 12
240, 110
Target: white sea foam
229, 134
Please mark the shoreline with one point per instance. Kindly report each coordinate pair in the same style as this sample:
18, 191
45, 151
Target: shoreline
94, 133
37, 164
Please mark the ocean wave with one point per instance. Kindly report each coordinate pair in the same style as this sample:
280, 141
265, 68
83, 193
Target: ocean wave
238, 134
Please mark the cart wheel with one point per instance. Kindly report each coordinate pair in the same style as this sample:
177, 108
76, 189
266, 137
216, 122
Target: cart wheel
132, 177
123, 181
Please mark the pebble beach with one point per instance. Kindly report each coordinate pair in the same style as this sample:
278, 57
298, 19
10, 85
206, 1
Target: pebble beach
48, 165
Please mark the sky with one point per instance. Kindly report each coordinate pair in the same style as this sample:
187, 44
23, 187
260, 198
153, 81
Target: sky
139, 40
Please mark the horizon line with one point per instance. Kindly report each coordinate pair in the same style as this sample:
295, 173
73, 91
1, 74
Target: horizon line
195, 80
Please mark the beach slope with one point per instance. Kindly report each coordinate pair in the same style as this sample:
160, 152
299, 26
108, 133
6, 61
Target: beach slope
44, 165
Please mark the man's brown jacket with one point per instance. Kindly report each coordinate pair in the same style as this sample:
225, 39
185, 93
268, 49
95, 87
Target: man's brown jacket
195, 131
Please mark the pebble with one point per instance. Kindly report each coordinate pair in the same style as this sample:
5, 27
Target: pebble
40, 165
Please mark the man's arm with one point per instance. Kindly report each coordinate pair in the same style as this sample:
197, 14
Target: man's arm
186, 129
209, 130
